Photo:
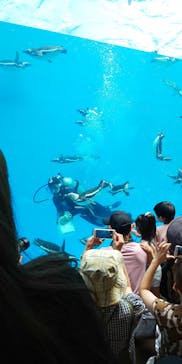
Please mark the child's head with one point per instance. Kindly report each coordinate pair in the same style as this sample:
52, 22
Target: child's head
146, 226
165, 211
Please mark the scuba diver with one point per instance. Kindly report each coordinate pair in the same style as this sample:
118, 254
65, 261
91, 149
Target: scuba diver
63, 189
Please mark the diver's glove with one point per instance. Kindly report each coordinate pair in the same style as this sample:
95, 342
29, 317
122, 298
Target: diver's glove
64, 219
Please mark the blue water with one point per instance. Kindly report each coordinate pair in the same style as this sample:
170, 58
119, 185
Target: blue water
38, 122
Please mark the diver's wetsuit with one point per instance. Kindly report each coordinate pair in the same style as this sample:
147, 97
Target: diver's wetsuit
64, 203
93, 212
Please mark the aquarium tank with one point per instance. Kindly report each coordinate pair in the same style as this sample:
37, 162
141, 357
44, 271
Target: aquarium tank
97, 120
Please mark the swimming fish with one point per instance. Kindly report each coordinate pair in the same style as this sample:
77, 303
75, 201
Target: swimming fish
178, 177
67, 159
120, 188
47, 52
16, 63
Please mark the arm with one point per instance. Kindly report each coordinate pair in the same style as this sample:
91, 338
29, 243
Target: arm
134, 230
160, 255
118, 242
91, 242
148, 250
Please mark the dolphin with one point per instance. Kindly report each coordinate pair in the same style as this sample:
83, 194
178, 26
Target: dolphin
50, 247
120, 188
16, 63
45, 52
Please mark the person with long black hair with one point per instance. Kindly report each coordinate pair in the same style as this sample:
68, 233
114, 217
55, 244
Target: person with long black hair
46, 312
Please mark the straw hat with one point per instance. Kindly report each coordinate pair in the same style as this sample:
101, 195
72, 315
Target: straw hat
102, 271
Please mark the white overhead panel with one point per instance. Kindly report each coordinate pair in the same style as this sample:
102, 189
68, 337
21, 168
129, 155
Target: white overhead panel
149, 25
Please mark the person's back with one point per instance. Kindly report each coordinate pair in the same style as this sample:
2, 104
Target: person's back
134, 257
59, 319
168, 315
174, 237
105, 274
46, 312
146, 227
135, 260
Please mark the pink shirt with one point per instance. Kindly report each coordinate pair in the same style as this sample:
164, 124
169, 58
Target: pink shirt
136, 261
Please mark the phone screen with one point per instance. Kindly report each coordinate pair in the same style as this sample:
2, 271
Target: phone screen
103, 233
179, 252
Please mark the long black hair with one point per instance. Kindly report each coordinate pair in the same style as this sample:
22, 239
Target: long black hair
46, 312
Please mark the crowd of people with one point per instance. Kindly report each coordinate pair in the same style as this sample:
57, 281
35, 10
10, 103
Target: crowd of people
52, 309
147, 265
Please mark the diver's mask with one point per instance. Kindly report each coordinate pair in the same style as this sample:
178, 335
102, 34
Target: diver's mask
55, 182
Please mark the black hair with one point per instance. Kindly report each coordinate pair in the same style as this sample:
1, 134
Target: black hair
166, 210
146, 226
46, 312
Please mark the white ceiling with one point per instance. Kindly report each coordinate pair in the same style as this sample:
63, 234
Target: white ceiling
149, 25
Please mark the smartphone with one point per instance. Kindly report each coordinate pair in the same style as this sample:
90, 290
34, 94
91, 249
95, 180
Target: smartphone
178, 250
104, 233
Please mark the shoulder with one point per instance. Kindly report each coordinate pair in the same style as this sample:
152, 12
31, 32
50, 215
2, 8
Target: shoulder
162, 229
134, 249
135, 301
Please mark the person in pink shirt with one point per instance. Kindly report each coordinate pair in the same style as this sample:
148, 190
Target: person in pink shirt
135, 258
165, 212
